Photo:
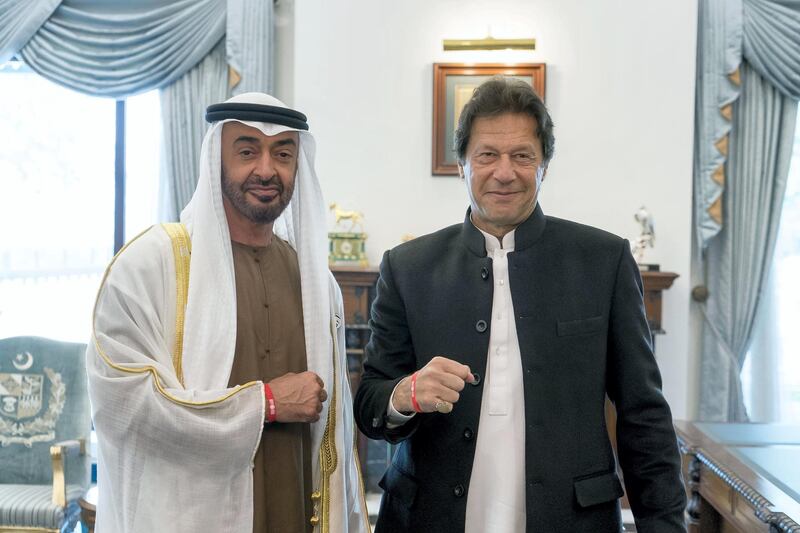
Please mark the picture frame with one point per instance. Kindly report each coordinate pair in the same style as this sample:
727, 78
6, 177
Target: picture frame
453, 85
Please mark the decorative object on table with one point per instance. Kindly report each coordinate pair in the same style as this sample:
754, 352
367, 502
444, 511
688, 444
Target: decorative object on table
348, 241
453, 85
646, 238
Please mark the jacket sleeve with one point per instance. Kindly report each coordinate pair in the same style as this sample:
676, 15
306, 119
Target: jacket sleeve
646, 441
389, 358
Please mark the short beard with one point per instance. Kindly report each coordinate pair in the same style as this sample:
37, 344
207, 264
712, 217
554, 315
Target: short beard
265, 213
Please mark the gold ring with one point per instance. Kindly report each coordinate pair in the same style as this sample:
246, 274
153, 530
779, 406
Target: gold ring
443, 407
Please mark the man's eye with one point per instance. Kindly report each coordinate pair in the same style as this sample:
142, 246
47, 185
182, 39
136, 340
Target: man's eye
246, 153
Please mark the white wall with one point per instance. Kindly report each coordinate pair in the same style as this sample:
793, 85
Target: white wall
620, 88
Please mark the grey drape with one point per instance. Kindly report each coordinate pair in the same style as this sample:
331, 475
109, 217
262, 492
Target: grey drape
771, 42
183, 105
123, 48
719, 52
118, 49
761, 143
737, 203
767, 34
19, 20
250, 39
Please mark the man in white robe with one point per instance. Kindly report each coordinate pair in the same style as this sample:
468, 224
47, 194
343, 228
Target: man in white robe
176, 443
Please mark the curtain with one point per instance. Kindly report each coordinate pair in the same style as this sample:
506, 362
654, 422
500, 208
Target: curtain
122, 48
719, 53
119, 49
737, 199
183, 105
19, 20
761, 140
249, 44
771, 42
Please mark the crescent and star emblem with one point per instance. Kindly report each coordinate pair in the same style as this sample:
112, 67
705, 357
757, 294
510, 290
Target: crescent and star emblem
23, 361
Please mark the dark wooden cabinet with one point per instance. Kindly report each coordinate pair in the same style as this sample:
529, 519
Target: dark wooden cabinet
655, 282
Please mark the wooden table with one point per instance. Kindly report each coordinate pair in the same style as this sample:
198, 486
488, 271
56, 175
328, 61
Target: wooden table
741, 477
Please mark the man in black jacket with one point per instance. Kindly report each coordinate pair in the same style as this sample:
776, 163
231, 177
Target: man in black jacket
494, 343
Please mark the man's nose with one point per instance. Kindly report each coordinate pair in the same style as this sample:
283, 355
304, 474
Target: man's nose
265, 167
504, 170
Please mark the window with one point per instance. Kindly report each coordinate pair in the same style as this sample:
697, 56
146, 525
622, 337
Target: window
57, 210
771, 381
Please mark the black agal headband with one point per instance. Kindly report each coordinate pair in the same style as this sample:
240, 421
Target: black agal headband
257, 113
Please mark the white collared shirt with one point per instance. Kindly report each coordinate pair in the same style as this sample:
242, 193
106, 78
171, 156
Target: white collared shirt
496, 496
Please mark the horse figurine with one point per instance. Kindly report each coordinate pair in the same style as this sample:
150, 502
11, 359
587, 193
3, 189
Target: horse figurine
354, 217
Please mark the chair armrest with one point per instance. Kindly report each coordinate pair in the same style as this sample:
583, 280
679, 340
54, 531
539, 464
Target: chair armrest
58, 452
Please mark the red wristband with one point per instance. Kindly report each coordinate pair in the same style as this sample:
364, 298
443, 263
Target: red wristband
272, 414
417, 408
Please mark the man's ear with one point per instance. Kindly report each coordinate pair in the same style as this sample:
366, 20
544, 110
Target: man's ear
460, 170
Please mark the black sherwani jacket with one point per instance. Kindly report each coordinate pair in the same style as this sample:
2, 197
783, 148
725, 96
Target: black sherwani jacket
577, 297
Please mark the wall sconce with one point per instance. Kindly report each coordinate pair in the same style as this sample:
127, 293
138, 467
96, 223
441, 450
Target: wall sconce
489, 43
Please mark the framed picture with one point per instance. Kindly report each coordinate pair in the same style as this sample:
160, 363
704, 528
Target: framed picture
453, 85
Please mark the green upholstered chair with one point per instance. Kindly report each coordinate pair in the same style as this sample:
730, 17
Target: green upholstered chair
45, 422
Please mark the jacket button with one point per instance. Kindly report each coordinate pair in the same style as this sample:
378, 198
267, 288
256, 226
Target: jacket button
485, 273
458, 490
477, 380
480, 326
468, 433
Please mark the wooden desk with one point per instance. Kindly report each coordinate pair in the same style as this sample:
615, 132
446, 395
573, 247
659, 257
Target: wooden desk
741, 477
